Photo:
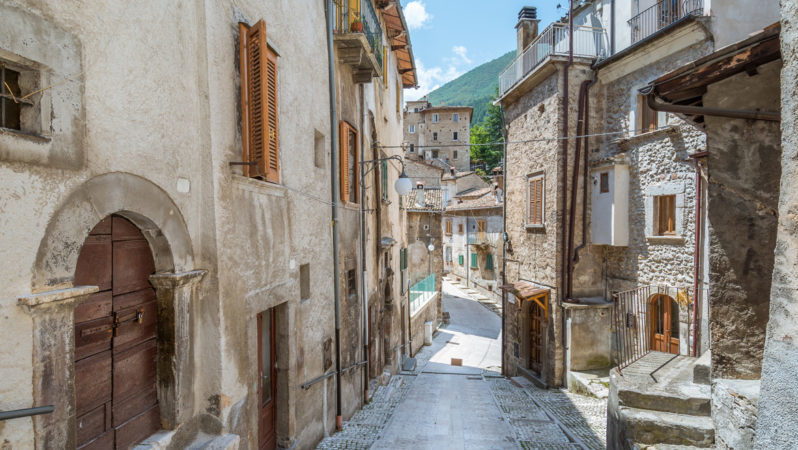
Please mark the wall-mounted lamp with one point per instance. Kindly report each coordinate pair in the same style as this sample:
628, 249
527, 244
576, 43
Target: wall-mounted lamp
403, 184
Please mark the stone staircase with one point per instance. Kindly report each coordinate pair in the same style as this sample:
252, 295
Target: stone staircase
662, 401
490, 303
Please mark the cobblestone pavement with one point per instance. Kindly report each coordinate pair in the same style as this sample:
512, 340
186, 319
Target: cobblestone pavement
439, 406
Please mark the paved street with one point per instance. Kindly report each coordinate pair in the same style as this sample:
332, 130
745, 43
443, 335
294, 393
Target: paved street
440, 406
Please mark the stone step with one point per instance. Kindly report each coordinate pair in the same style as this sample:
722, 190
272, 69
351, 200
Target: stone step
701, 372
664, 447
677, 403
656, 427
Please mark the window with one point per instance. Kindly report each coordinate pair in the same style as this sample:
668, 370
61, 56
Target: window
455, 117
448, 227
460, 260
474, 261
435, 153
415, 110
605, 182
259, 106
351, 283
304, 282
647, 119
349, 162
412, 148
435, 136
384, 179
434, 118
403, 268
11, 102
454, 154
454, 135
489, 261
319, 156
481, 228
459, 228
665, 215
536, 198
448, 254
412, 129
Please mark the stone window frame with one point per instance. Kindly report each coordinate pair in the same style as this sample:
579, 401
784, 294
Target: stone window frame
535, 226
411, 129
435, 118
55, 59
454, 136
677, 189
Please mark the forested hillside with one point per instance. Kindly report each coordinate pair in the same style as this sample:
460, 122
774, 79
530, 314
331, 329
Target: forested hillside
475, 88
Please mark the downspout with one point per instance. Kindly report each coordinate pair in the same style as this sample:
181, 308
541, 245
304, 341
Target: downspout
504, 241
612, 27
586, 172
335, 198
697, 251
705, 111
574, 188
363, 273
564, 178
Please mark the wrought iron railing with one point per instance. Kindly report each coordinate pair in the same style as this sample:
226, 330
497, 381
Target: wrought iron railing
662, 14
652, 318
589, 42
421, 293
359, 16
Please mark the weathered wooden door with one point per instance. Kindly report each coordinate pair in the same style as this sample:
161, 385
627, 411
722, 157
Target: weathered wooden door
268, 378
664, 324
537, 325
115, 339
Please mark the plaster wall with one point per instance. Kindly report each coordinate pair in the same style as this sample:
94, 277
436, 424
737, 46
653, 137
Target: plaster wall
735, 20
780, 360
483, 279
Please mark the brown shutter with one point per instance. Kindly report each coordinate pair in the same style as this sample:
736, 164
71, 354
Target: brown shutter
273, 163
343, 153
539, 200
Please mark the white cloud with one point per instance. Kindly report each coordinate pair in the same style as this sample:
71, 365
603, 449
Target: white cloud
462, 52
431, 79
416, 14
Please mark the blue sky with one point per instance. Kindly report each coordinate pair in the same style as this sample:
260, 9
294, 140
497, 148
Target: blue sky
451, 37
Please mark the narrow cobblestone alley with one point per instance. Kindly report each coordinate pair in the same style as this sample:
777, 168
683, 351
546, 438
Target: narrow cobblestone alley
441, 406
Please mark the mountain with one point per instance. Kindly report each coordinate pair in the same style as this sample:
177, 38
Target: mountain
475, 88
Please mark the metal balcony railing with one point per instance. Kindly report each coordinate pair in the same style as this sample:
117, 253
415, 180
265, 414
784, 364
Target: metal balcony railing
421, 293
589, 42
351, 12
662, 14
652, 318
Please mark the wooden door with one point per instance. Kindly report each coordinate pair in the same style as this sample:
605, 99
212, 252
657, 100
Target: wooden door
664, 324
267, 377
115, 339
537, 325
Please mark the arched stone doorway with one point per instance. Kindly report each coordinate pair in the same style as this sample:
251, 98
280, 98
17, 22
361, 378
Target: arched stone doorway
664, 323
115, 338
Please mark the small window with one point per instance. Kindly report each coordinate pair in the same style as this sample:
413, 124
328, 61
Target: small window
10, 99
448, 227
460, 260
535, 198
351, 282
481, 229
434, 118
647, 118
605, 182
474, 261
412, 148
435, 136
454, 136
489, 261
412, 129
435, 153
455, 117
454, 154
665, 215
304, 282
459, 228
415, 110
348, 159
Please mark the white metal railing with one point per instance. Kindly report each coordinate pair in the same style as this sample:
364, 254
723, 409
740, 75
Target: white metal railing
589, 42
421, 293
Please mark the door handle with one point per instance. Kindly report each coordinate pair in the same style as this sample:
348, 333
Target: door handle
136, 317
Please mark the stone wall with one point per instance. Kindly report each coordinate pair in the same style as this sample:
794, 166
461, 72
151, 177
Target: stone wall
423, 138
780, 362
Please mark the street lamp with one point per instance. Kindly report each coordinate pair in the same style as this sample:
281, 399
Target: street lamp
403, 184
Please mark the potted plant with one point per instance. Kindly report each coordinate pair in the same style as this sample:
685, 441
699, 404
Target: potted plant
357, 25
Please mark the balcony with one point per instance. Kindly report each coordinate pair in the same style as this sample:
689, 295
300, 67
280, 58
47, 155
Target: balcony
358, 38
662, 15
421, 293
478, 239
589, 42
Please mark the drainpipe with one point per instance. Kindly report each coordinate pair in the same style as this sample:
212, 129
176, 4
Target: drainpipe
697, 251
363, 281
612, 27
574, 187
504, 241
705, 111
586, 140
335, 194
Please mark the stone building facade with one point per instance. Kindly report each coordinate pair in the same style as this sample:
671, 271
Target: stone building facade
438, 132
135, 147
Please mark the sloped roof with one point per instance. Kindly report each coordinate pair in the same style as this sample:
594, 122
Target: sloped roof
432, 200
457, 175
487, 200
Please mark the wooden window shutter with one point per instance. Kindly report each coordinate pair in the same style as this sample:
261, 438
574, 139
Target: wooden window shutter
343, 152
259, 107
539, 200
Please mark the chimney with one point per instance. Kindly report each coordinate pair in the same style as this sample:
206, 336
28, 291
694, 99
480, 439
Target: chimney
452, 170
527, 27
